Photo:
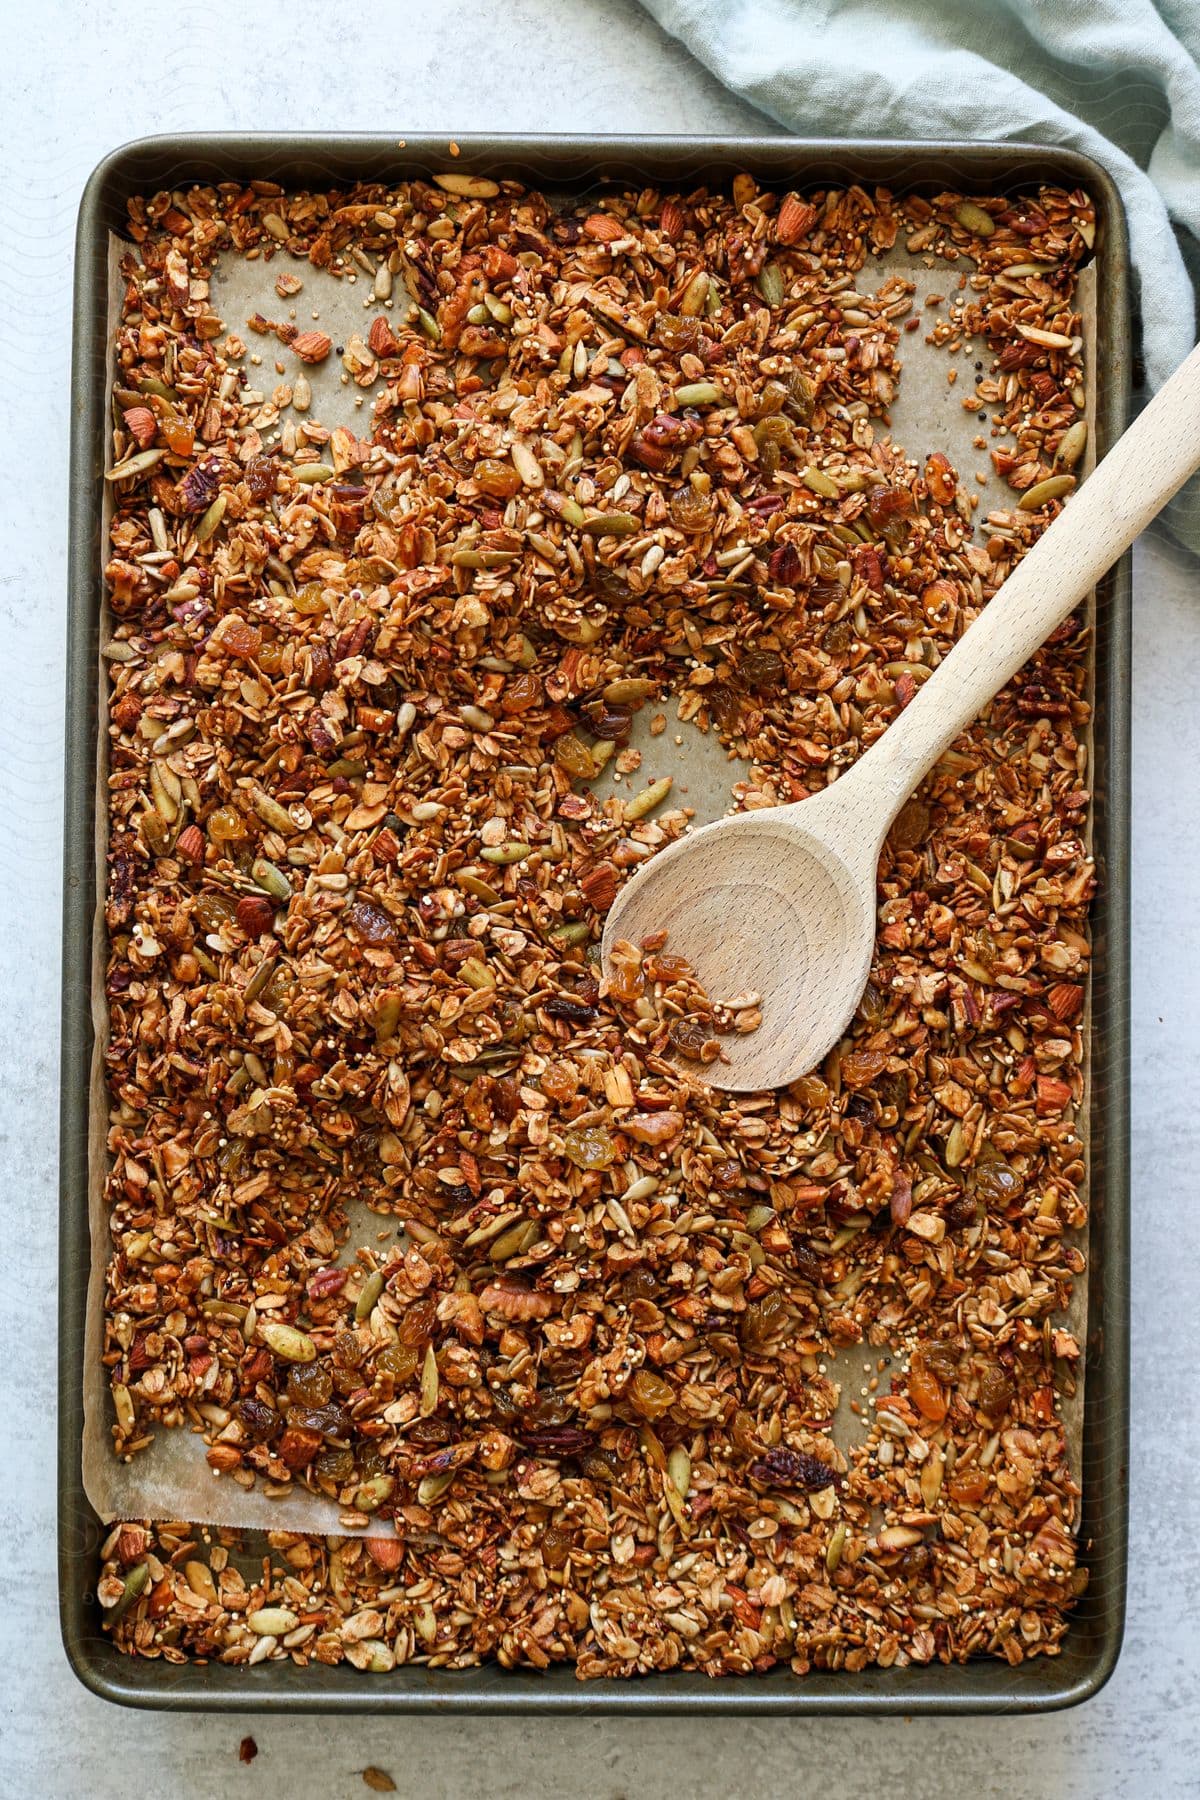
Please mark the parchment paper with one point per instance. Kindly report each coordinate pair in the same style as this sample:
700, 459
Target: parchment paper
172, 1480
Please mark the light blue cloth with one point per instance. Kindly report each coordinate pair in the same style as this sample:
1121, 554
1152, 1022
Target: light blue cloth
1117, 79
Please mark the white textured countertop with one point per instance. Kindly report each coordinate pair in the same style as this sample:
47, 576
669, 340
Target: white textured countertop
89, 75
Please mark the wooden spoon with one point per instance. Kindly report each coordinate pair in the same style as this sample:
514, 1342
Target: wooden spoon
782, 901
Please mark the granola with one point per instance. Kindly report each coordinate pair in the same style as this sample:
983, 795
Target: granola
631, 455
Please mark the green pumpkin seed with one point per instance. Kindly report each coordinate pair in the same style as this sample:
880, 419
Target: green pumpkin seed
513, 852
481, 559
429, 325
432, 1487
211, 519
198, 1576
310, 473
679, 1469
271, 813
372, 1287
613, 524
695, 296
135, 465
837, 1544
135, 1584
1042, 492
699, 393
513, 1241
649, 798
273, 881
629, 691
770, 284
477, 975
973, 218
1071, 445
370, 1495
272, 1621
257, 981
566, 936
430, 1384
471, 884
820, 483
286, 1342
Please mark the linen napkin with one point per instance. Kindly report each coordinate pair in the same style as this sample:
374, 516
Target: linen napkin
1117, 79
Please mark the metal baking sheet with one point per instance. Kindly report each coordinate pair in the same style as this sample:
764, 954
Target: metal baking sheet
921, 424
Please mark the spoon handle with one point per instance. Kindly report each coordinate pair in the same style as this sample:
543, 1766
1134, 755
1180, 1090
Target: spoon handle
1120, 497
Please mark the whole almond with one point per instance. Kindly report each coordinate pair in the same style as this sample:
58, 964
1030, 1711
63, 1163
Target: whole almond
599, 886
1052, 1095
386, 1553
796, 218
190, 844
603, 227
312, 346
381, 338
255, 915
673, 220
143, 425
1065, 1001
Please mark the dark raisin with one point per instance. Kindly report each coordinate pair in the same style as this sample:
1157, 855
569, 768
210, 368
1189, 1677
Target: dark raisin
599, 1464
942, 1358
555, 1546
547, 1409
765, 1321
996, 1390
429, 1432
572, 1011
556, 1440
370, 923
763, 671
506, 1098
915, 1563
782, 1467
638, 1283
724, 705
961, 1212
416, 1326
258, 1420
808, 1264
260, 476
695, 1040
612, 723
329, 1421
997, 1184
885, 505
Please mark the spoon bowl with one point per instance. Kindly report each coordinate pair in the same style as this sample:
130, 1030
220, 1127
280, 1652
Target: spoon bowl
781, 902
760, 904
